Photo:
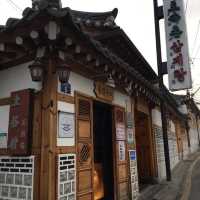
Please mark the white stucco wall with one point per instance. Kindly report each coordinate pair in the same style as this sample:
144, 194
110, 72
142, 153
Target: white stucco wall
16, 78
156, 117
157, 128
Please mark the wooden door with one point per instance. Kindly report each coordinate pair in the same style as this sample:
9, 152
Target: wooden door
84, 124
121, 170
143, 147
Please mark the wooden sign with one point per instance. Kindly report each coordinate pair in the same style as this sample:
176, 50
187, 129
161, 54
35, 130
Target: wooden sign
103, 92
20, 123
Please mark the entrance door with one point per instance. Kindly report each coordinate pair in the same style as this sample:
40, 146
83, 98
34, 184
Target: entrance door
143, 146
103, 151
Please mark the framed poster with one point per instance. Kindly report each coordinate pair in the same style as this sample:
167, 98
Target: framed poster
120, 132
66, 126
122, 151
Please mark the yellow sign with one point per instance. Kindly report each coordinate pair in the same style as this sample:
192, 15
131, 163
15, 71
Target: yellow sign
103, 92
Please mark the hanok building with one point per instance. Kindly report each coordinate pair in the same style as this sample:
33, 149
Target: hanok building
77, 103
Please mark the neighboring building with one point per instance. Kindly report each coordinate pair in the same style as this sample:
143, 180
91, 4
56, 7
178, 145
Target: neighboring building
79, 109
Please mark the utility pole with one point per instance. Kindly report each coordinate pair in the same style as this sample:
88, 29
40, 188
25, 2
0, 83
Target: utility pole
158, 14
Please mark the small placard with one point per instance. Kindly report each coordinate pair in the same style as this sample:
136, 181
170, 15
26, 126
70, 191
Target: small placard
132, 155
66, 125
120, 132
3, 139
130, 135
129, 119
122, 151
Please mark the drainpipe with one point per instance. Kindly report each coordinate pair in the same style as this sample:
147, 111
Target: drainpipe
158, 14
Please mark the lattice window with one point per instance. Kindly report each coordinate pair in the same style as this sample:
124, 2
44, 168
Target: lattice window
84, 153
66, 177
16, 178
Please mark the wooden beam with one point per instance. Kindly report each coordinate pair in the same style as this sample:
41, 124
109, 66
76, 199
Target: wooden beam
17, 61
6, 101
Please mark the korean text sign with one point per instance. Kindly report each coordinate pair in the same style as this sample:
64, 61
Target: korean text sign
179, 73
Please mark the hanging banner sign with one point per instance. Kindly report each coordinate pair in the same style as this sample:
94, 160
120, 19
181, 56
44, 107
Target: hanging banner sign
179, 73
20, 120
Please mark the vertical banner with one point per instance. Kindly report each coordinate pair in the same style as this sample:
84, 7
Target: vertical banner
178, 62
20, 120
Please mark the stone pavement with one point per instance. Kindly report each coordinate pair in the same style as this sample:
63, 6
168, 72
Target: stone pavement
195, 183
179, 187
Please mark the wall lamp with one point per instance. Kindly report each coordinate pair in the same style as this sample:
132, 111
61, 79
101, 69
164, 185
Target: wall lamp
61, 68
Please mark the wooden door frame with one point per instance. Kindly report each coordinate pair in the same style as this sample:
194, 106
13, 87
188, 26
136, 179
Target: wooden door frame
115, 170
152, 143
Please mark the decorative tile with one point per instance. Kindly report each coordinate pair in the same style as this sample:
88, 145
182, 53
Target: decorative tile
66, 177
16, 178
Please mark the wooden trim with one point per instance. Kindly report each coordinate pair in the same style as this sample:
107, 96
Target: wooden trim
6, 101
65, 150
66, 98
4, 152
153, 147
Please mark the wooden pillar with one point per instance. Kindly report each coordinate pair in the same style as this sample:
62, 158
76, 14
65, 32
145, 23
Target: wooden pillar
49, 135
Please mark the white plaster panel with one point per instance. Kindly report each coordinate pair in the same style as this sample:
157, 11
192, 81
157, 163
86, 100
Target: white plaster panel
70, 108
80, 84
172, 125
156, 117
4, 122
183, 109
16, 78
122, 100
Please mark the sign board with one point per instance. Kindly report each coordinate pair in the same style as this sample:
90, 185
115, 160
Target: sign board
103, 92
120, 132
20, 121
130, 137
132, 155
122, 151
4, 123
66, 125
178, 64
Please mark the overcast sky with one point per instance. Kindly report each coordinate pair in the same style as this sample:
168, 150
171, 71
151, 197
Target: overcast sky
136, 18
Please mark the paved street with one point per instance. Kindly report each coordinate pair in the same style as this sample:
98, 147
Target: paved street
195, 190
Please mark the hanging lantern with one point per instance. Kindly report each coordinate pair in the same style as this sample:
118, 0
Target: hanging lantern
110, 82
37, 71
63, 71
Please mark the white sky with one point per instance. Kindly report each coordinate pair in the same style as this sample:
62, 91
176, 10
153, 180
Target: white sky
136, 18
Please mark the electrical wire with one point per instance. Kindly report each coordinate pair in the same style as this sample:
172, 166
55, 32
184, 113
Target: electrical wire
196, 36
186, 6
15, 6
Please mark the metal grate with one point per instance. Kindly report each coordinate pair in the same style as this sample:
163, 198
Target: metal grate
16, 178
66, 177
